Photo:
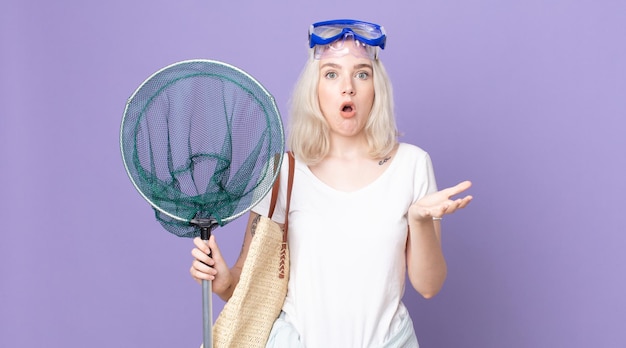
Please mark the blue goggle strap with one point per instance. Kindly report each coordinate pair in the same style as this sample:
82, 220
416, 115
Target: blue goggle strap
315, 39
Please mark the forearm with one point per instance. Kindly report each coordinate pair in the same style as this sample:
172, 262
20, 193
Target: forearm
226, 293
226, 289
426, 264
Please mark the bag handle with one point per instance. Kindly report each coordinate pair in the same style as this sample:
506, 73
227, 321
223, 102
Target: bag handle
275, 188
283, 248
277, 184
292, 166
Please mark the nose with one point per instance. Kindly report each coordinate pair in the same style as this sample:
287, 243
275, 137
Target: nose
348, 88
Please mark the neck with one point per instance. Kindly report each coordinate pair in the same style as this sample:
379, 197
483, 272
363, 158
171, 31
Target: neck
348, 147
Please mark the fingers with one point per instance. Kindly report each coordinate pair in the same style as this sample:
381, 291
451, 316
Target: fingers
210, 248
201, 271
465, 201
216, 254
202, 265
459, 203
455, 190
202, 245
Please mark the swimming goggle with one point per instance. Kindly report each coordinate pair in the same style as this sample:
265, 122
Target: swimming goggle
330, 36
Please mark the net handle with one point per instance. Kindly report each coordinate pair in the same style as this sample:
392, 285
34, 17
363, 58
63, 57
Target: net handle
206, 228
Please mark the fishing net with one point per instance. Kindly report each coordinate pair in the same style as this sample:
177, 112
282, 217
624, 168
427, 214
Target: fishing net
201, 141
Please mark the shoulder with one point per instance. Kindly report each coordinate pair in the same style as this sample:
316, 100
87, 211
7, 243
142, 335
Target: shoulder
410, 153
417, 163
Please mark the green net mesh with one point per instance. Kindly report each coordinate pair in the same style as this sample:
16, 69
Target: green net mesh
201, 140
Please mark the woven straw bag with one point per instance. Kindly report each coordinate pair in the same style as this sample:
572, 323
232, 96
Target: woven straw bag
248, 316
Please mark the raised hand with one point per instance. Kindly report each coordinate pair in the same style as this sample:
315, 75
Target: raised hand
440, 203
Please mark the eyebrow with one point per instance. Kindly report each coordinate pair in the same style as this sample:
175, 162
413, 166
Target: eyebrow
337, 66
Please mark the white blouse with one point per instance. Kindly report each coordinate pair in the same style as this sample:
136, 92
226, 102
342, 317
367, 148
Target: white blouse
347, 250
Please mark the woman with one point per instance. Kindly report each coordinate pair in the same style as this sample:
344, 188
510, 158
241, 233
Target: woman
365, 209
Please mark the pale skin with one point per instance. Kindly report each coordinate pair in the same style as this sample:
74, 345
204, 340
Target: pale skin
346, 94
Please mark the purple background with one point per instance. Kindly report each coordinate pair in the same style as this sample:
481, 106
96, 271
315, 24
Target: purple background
525, 98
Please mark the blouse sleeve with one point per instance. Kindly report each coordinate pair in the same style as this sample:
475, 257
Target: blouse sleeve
425, 182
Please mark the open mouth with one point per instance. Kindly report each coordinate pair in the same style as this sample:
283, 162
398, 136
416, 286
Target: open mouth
347, 109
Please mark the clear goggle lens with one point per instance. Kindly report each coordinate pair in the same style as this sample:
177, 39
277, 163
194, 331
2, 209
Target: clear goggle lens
345, 46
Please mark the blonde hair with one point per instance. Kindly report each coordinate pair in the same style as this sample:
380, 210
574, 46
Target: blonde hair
308, 136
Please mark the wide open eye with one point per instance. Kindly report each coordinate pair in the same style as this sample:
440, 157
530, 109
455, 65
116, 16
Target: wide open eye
362, 75
331, 75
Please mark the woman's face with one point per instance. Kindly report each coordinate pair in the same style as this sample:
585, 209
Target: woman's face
346, 91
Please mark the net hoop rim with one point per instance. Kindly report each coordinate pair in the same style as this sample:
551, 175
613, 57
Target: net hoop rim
246, 75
